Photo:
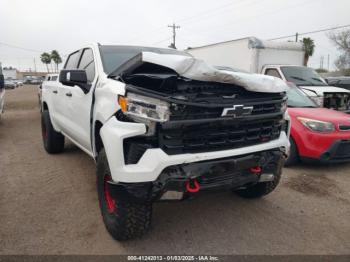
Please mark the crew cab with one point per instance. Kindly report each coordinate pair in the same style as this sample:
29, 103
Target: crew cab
162, 125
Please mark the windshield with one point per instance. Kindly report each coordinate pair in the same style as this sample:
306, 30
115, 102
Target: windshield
302, 76
296, 98
114, 56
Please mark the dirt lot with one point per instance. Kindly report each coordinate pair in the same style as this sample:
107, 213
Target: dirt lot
48, 205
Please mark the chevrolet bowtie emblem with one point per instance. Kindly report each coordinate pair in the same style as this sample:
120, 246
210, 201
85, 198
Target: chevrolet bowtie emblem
237, 111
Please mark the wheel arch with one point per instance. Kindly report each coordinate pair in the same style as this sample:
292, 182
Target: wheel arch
98, 143
45, 106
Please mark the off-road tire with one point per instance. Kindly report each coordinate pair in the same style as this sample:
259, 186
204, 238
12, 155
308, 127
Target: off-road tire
129, 219
53, 141
293, 157
263, 188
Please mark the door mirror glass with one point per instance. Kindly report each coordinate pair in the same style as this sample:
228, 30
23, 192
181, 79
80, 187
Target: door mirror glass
75, 77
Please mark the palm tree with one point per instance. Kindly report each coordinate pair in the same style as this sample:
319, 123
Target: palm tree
46, 59
309, 48
56, 58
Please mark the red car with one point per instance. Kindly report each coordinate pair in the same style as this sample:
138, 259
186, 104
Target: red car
316, 133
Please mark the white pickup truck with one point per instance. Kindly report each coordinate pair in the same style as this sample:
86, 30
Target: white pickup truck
163, 125
279, 59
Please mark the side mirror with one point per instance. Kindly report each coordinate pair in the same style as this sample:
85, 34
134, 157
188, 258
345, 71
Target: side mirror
75, 77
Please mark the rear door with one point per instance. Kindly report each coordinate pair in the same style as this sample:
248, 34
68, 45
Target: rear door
78, 103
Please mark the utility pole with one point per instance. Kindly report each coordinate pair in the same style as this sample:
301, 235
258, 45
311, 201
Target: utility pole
321, 62
296, 37
328, 62
174, 27
34, 65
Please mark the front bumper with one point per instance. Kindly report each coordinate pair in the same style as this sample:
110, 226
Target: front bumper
339, 151
154, 160
211, 175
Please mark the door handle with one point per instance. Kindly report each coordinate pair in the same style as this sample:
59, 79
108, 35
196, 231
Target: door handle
54, 91
69, 94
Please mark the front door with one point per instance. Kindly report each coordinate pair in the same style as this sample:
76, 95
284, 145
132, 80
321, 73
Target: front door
78, 104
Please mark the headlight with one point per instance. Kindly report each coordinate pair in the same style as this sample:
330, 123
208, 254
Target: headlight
144, 107
316, 125
318, 100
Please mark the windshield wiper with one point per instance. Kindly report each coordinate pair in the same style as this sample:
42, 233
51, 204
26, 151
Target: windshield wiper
301, 79
317, 79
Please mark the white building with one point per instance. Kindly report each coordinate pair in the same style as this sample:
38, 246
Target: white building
9, 73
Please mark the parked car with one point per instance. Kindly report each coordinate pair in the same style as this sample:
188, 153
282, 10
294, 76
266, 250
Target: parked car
279, 59
342, 81
9, 84
316, 133
18, 82
35, 81
163, 125
48, 78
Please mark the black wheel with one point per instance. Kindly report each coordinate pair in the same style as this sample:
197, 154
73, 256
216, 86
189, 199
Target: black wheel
123, 219
53, 141
263, 188
293, 157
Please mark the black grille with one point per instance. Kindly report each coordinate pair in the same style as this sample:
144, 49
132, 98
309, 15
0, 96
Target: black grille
217, 135
185, 112
344, 127
343, 150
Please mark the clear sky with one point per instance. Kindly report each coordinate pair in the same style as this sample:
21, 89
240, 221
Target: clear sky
66, 25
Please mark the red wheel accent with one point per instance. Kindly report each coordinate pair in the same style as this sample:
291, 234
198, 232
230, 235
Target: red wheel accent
44, 132
110, 202
255, 170
191, 189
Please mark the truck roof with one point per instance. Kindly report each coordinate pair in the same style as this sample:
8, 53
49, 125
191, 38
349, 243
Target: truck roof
254, 42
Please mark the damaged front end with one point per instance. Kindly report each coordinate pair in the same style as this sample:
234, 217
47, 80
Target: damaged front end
188, 113
337, 101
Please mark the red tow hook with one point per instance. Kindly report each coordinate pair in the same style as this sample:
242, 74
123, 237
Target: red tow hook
192, 186
255, 170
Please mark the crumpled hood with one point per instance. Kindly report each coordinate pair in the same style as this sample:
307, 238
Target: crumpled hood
320, 90
196, 69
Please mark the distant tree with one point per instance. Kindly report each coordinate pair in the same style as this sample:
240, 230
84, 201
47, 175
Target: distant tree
56, 58
321, 70
309, 48
46, 59
342, 41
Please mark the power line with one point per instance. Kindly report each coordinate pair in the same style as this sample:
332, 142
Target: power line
258, 15
311, 32
188, 18
22, 48
161, 41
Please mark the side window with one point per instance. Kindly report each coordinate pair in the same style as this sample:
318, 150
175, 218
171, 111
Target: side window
87, 63
272, 72
72, 61
53, 78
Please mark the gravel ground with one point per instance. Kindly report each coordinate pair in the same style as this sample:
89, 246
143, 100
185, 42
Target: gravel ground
48, 205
